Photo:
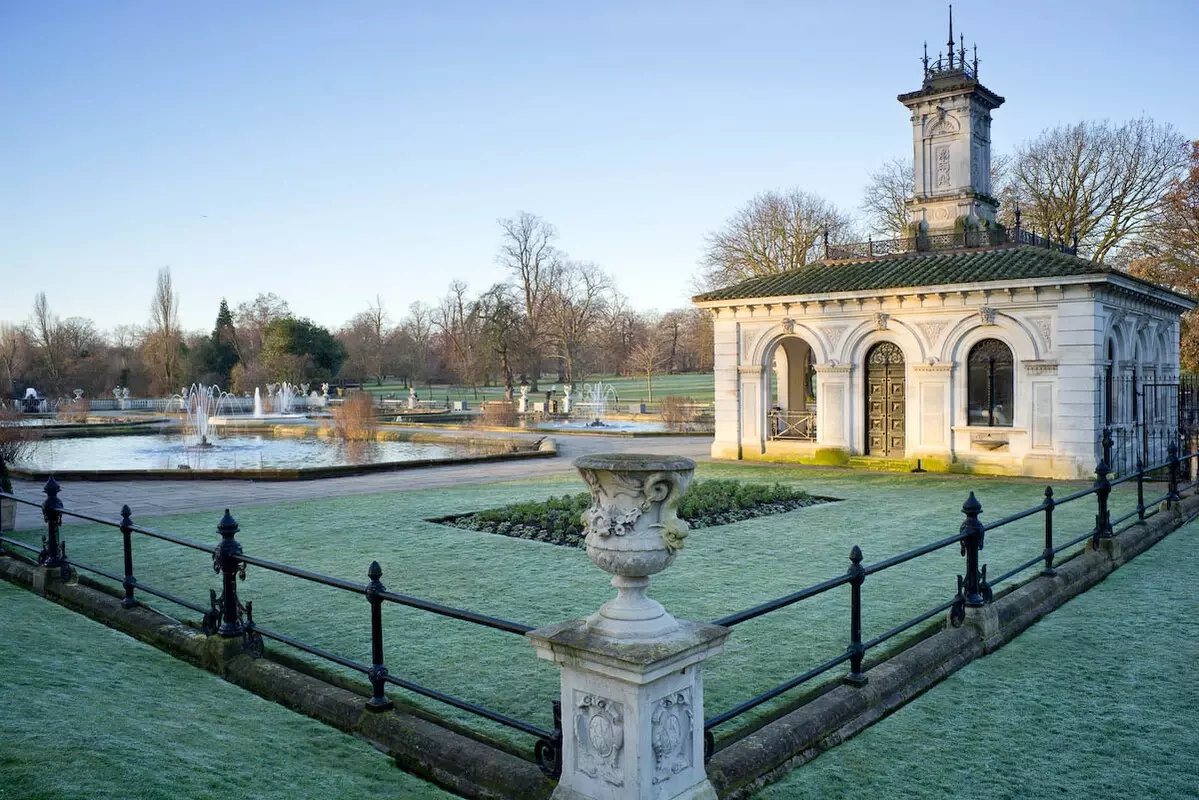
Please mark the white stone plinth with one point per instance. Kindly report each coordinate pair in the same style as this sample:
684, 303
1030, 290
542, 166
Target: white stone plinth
632, 711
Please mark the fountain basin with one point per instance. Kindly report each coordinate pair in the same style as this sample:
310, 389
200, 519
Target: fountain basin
250, 421
253, 457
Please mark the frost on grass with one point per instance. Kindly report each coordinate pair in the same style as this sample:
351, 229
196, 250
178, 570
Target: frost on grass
557, 520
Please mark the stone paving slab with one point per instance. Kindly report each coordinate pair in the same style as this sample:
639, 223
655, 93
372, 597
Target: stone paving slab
159, 498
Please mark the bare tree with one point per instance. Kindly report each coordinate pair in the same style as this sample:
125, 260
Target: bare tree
1168, 253
528, 253
419, 328
14, 344
774, 232
1097, 181
501, 326
887, 192
44, 329
647, 358
578, 300
164, 339
458, 324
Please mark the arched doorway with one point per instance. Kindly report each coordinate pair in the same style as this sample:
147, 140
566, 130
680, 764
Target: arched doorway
885, 403
791, 388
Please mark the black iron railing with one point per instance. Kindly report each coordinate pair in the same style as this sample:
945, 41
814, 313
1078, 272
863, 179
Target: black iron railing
957, 240
228, 617
973, 587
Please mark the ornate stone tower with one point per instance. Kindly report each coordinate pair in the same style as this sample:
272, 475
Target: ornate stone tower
951, 142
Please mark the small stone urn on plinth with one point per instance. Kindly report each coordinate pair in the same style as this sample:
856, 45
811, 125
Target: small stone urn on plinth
632, 684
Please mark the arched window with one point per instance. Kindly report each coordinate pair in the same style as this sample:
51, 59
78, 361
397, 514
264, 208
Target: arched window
989, 378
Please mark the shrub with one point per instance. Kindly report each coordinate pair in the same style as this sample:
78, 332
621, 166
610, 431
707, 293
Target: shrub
499, 414
16, 441
678, 412
73, 410
558, 520
354, 418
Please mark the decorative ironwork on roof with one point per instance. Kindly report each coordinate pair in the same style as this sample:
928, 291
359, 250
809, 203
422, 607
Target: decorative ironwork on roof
957, 240
956, 66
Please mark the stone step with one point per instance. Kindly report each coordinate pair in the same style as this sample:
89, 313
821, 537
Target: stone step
879, 464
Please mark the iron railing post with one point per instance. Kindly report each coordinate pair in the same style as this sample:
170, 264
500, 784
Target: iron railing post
225, 561
378, 674
975, 585
127, 545
1103, 517
1172, 453
54, 550
857, 575
548, 752
1107, 447
1049, 571
1140, 490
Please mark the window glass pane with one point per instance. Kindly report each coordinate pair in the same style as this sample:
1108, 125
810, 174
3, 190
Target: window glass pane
989, 374
1003, 395
977, 394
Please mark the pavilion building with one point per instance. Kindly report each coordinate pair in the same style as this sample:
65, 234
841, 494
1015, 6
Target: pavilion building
965, 345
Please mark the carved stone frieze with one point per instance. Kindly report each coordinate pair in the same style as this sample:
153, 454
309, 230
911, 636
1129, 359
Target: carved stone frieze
1044, 326
1040, 367
932, 330
834, 333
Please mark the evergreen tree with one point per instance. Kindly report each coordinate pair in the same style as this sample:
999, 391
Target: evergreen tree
222, 351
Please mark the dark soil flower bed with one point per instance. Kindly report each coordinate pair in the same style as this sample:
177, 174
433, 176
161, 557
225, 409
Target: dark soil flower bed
707, 503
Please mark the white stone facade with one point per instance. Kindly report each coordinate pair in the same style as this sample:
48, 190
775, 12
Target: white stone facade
1059, 331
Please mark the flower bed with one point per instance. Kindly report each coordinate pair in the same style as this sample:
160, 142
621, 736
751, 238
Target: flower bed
557, 520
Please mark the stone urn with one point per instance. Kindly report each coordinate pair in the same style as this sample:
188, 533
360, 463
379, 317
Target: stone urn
633, 531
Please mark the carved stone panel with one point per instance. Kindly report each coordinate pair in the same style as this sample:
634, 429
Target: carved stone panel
599, 737
941, 159
672, 735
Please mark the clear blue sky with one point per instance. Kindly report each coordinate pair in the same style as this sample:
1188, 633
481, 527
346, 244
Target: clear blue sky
331, 151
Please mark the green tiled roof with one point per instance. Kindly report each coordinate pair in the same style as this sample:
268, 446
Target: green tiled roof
943, 268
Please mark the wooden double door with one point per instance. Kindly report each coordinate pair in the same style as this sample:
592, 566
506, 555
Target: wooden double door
885, 400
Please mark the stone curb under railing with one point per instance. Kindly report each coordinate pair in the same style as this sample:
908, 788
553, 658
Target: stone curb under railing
474, 768
764, 756
419, 745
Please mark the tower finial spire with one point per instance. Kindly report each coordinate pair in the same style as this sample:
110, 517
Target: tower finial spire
950, 36
925, 59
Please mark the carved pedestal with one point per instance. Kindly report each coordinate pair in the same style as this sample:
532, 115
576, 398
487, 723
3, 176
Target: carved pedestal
632, 711
632, 683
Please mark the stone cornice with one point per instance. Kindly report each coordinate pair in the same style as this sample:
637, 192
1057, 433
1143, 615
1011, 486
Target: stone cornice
833, 369
1040, 367
942, 368
749, 369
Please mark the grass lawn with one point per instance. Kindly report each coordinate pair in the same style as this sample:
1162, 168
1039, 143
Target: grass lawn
723, 569
90, 712
1097, 700
698, 386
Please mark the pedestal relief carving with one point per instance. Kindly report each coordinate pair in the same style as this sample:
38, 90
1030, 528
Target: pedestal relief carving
599, 737
671, 735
